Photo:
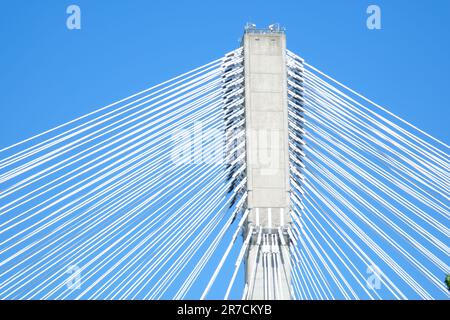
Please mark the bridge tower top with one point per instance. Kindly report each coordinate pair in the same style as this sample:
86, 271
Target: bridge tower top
267, 126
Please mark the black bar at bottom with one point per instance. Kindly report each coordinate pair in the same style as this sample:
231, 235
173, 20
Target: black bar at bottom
214, 309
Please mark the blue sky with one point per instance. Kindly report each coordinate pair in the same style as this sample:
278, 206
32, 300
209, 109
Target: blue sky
50, 75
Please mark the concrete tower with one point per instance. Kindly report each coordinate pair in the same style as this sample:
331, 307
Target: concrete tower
267, 262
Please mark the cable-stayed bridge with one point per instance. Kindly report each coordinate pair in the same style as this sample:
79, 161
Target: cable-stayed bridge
254, 176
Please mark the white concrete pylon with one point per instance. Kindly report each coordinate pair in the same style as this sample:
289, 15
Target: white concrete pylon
266, 111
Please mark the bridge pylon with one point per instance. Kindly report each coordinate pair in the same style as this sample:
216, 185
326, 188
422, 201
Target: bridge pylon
267, 263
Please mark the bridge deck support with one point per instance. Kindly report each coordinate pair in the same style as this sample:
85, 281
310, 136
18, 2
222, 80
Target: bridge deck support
267, 262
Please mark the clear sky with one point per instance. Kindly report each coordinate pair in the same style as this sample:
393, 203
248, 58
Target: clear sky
50, 75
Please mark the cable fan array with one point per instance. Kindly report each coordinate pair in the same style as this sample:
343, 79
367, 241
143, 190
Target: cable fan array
129, 201
234, 118
370, 196
146, 198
